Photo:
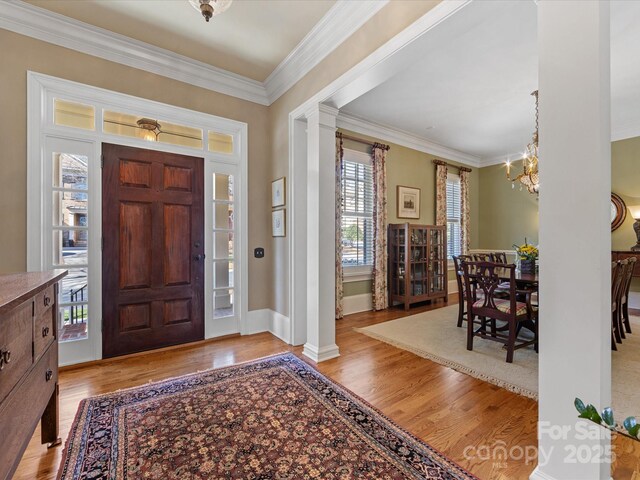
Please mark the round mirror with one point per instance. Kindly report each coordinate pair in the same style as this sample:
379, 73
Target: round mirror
618, 211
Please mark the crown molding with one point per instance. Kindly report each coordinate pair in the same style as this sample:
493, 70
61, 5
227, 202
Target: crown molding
344, 18
406, 139
26, 19
500, 159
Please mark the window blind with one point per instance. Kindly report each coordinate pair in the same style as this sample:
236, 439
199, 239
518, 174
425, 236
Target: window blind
454, 234
357, 214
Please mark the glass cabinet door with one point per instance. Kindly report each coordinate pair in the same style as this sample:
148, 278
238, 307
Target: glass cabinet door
437, 260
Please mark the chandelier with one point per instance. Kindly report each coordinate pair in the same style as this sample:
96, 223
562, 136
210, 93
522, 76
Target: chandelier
529, 177
210, 8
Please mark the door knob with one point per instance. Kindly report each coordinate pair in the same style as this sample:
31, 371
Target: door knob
199, 257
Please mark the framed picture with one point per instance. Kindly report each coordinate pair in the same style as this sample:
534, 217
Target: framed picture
408, 202
278, 223
278, 192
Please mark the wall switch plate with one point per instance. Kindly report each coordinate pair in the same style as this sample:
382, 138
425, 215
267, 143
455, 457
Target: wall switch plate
258, 252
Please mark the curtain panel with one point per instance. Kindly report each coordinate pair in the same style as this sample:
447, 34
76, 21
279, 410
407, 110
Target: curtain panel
465, 228
339, 271
379, 290
441, 192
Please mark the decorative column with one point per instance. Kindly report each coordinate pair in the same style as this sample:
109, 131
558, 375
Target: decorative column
575, 237
321, 198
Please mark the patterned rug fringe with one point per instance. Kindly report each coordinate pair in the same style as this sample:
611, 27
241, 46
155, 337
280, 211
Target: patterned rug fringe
453, 365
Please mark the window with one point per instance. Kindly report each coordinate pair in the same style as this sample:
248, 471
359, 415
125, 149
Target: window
357, 210
454, 237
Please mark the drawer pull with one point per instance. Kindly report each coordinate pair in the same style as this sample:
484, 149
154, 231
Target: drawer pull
48, 375
5, 358
47, 301
45, 331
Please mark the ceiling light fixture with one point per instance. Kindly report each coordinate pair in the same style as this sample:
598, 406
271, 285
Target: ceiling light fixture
151, 129
529, 178
210, 8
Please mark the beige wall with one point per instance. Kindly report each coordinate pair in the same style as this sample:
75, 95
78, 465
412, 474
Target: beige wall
625, 181
507, 215
412, 168
20, 53
388, 22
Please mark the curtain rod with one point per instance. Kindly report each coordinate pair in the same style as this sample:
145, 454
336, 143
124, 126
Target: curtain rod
359, 140
442, 162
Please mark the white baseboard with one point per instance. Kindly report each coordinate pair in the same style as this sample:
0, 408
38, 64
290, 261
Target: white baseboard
257, 321
267, 320
357, 303
280, 326
320, 354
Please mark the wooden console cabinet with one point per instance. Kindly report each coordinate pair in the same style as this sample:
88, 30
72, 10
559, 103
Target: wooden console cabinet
28, 363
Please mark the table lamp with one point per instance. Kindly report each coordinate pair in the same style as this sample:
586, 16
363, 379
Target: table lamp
635, 213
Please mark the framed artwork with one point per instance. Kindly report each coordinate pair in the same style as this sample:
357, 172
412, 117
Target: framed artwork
618, 211
408, 202
278, 223
278, 192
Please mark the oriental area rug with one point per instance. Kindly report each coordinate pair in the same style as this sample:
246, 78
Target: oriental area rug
273, 418
435, 335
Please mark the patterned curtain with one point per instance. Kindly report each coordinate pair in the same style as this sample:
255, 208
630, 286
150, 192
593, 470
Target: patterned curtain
441, 192
465, 228
380, 294
339, 278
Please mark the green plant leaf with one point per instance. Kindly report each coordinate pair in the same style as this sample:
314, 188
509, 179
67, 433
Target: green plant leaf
607, 416
592, 414
631, 424
579, 405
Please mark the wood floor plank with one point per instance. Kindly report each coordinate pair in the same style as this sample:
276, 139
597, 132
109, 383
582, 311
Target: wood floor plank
447, 409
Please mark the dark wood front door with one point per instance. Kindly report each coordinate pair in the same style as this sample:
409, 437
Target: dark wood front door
153, 252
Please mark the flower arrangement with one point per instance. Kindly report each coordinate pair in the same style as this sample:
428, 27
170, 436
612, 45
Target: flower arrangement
526, 251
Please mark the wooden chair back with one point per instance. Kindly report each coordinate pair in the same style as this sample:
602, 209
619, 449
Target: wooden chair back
616, 284
626, 281
499, 257
482, 257
486, 277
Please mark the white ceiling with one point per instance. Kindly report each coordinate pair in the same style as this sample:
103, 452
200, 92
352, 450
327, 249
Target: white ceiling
251, 38
471, 90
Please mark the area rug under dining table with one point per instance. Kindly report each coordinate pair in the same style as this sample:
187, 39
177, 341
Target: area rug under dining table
273, 418
435, 335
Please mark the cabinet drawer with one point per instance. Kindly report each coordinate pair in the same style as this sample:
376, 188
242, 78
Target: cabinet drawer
16, 332
44, 301
43, 332
22, 410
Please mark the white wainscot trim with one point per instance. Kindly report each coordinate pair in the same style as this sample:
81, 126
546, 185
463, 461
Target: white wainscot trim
357, 303
280, 326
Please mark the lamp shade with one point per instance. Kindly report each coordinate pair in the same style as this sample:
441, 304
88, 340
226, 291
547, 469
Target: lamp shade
635, 211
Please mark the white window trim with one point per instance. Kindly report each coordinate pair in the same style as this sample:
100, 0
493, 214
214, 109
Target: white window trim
42, 89
357, 273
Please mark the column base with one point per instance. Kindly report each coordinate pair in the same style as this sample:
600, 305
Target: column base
320, 354
539, 475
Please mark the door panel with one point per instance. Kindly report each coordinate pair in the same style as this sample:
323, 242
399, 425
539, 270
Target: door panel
153, 254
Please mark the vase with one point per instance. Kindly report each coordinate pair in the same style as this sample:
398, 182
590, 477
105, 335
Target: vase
528, 266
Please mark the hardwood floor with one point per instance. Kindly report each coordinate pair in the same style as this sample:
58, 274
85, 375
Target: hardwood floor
447, 409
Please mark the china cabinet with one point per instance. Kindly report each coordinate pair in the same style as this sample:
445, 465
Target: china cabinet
417, 267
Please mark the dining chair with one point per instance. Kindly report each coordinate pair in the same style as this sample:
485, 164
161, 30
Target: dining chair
617, 270
491, 308
499, 257
482, 257
462, 312
624, 301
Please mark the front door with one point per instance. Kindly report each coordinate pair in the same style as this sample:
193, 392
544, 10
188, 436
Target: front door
153, 249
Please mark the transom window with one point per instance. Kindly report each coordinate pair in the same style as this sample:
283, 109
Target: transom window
357, 209
454, 235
